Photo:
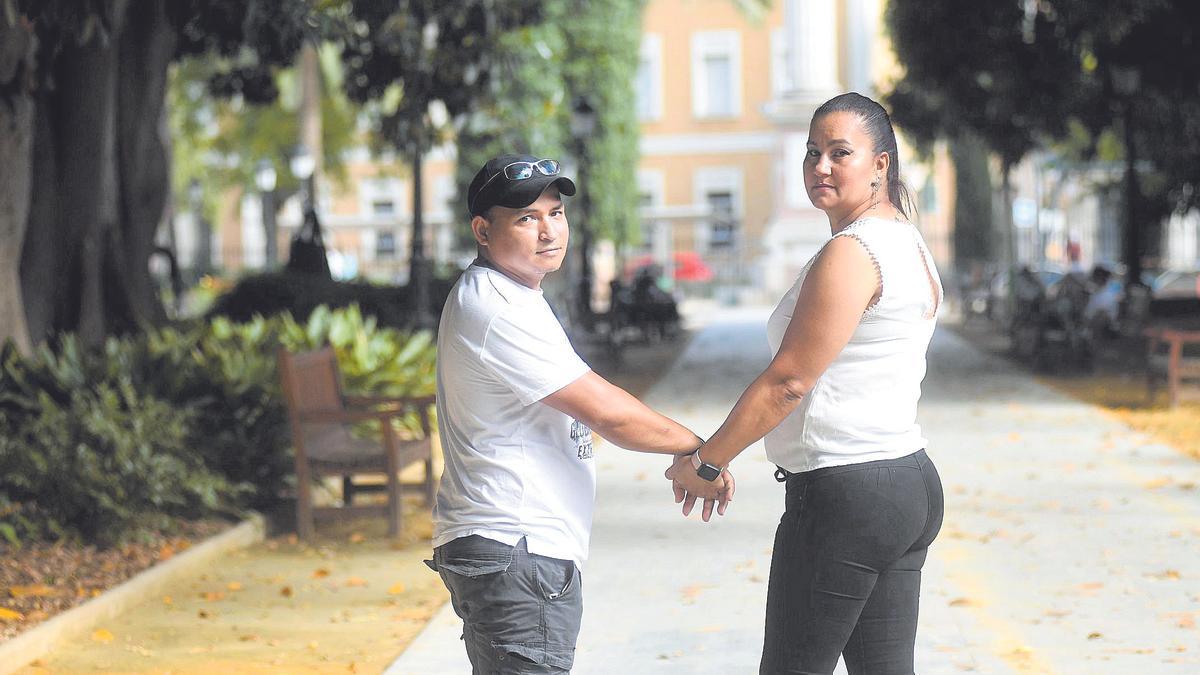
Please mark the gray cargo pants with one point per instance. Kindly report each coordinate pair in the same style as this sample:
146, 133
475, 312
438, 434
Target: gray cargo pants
521, 612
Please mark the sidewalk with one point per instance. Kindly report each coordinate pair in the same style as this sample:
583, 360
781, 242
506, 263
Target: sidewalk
1068, 547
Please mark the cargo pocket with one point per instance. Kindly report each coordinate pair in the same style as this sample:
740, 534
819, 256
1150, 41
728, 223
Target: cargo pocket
518, 654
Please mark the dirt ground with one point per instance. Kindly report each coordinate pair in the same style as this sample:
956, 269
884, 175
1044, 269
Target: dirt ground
349, 604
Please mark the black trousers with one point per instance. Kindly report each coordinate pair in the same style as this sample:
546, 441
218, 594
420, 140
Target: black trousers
846, 567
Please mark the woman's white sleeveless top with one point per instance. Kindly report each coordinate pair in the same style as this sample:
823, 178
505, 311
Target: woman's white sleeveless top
864, 406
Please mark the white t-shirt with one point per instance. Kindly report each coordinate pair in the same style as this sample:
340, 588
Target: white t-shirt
515, 467
864, 406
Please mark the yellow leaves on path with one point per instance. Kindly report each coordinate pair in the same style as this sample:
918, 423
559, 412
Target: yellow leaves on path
7, 615
690, 593
1167, 575
354, 582
965, 602
320, 573
36, 591
396, 589
102, 635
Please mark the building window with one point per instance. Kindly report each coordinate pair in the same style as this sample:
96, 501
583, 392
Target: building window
649, 79
724, 226
385, 245
380, 197
383, 207
716, 74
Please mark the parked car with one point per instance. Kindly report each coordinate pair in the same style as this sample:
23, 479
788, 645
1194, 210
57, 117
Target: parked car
1176, 284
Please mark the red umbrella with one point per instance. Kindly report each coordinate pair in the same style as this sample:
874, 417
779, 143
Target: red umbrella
689, 266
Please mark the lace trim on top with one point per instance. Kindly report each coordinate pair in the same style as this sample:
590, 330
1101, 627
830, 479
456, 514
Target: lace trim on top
935, 290
846, 232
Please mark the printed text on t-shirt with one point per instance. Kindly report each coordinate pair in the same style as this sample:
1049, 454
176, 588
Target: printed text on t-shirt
582, 435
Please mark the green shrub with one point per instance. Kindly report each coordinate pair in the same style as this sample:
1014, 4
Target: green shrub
180, 421
95, 457
273, 293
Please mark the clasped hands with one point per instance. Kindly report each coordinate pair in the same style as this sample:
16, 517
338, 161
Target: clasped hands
689, 486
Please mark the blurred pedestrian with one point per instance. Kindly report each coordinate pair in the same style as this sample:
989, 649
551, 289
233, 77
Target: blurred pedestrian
837, 405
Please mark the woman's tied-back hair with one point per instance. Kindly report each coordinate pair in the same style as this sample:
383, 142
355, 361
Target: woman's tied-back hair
878, 126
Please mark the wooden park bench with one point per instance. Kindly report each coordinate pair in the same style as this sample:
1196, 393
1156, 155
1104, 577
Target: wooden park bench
320, 416
1172, 354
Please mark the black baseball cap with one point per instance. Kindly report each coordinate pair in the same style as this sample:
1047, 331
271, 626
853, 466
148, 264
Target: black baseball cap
492, 187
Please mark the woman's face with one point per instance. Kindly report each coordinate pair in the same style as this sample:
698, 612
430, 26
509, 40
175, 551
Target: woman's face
841, 163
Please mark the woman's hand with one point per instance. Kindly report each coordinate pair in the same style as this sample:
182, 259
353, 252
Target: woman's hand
688, 487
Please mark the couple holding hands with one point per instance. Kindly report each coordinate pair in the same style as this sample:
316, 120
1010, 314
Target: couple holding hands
837, 407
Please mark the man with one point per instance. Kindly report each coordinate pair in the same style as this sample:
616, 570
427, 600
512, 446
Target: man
516, 406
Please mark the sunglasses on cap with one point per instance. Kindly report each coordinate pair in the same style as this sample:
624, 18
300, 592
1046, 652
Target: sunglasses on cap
520, 171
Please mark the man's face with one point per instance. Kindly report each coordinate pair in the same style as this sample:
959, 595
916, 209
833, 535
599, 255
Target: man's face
525, 243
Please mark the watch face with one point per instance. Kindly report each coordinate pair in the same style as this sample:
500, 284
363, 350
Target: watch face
708, 472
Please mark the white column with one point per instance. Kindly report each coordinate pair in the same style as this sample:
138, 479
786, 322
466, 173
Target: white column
813, 57
861, 33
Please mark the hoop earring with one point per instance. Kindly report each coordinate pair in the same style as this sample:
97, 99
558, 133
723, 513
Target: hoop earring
874, 193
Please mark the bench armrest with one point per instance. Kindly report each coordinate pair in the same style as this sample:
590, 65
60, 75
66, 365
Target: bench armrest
402, 401
348, 416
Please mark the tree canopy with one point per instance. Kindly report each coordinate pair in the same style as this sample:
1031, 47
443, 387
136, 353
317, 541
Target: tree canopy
1021, 75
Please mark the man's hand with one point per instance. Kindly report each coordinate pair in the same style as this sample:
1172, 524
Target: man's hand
688, 487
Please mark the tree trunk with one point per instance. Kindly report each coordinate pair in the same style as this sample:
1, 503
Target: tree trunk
49, 259
86, 103
310, 110
146, 47
418, 270
75, 208
1007, 235
16, 146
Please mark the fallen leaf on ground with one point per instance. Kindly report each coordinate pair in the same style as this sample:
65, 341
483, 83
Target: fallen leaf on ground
320, 573
396, 589
36, 591
286, 591
102, 635
357, 538
964, 602
1095, 636
7, 614
356, 581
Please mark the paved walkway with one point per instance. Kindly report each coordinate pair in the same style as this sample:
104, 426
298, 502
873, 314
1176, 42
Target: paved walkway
1070, 543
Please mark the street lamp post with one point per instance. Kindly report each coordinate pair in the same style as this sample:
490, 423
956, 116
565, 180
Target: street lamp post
307, 253
1126, 80
303, 165
203, 257
265, 178
583, 124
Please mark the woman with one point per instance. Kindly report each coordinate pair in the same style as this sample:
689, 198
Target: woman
837, 406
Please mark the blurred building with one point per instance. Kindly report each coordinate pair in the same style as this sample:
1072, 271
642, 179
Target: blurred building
725, 97
724, 93
366, 219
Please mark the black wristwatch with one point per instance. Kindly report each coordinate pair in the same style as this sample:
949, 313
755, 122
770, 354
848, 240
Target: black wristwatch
703, 469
